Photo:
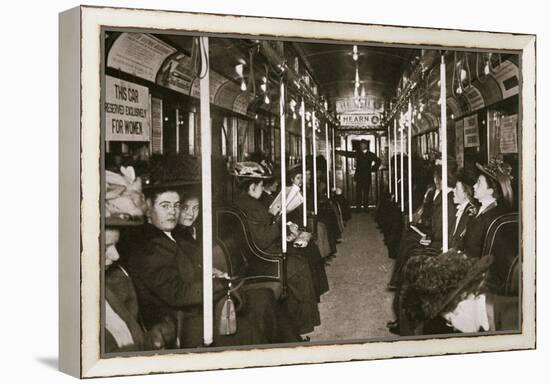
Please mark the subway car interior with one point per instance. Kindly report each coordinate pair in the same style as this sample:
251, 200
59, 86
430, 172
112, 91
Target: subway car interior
201, 135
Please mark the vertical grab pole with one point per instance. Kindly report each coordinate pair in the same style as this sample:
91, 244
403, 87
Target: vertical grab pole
443, 143
333, 161
327, 154
283, 165
206, 185
282, 117
409, 152
304, 184
402, 174
313, 139
390, 174
395, 159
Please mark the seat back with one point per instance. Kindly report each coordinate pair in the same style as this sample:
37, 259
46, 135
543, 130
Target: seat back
502, 241
243, 257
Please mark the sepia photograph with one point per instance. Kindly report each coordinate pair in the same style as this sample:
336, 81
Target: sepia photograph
277, 193
391, 227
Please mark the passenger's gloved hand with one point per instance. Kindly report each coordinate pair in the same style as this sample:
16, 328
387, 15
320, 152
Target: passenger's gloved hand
425, 241
216, 273
302, 240
292, 231
163, 334
293, 227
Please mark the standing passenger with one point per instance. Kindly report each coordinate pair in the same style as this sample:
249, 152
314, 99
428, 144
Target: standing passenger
367, 162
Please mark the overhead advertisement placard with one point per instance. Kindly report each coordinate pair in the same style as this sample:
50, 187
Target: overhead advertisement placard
360, 113
367, 104
366, 120
139, 54
509, 134
126, 111
471, 132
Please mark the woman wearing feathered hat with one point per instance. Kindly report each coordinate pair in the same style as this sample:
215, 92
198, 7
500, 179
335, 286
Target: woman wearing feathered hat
301, 302
493, 191
454, 284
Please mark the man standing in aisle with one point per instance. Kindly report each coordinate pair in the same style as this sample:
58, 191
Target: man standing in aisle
367, 162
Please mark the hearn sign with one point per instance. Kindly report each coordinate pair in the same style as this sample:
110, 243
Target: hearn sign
364, 112
366, 120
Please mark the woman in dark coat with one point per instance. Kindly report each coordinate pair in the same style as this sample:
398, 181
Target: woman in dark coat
311, 252
261, 302
123, 329
494, 193
412, 244
301, 300
466, 210
123, 326
430, 221
168, 279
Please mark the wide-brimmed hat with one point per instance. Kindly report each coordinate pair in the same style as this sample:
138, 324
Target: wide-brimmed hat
294, 170
251, 169
438, 282
500, 172
124, 202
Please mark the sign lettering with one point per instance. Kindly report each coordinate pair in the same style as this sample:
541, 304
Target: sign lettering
126, 111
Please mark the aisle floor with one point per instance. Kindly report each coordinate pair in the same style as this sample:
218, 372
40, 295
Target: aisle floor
358, 305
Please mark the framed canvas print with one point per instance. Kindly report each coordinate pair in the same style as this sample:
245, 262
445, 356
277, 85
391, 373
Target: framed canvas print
249, 191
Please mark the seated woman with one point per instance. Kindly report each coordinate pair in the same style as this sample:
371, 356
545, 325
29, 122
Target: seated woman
261, 302
301, 300
188, 227
471, 311
311, 251
328, 231
466, 209
123, 329
270, 190
428, 220
168, 278
493, 191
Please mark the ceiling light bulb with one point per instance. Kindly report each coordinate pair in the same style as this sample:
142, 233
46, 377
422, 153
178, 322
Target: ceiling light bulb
486, 69
452, 116
263, 87
439, 102
459, 90
243, 85
266, 100
294, 115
